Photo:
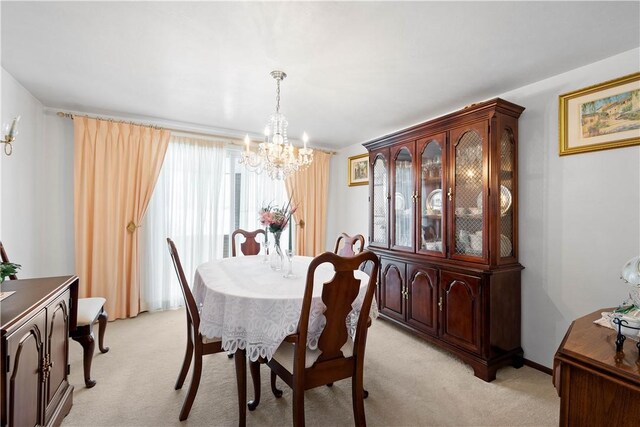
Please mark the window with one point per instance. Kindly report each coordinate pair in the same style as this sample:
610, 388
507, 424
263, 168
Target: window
202, 195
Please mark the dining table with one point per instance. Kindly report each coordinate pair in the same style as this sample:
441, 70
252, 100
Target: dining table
253, 308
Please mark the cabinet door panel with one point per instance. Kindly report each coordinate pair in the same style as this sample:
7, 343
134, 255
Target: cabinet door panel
506, 203
422, 303
57, 342
461, 315
430, 228
403, 196
26, 351
468, 200
379, 198
392, 287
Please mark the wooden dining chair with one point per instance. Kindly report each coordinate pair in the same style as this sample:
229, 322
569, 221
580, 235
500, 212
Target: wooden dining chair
89, 312
346, 245
197, 344
250, 246
337, 356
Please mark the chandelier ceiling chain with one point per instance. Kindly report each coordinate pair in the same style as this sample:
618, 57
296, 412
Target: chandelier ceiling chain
276, 154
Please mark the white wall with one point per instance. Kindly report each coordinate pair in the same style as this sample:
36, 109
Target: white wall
36, 187
347, 207
579, 214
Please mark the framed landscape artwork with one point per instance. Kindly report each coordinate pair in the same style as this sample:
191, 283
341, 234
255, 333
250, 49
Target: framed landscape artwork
600, 117
359, 170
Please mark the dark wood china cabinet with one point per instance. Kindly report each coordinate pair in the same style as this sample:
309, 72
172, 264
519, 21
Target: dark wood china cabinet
444, 221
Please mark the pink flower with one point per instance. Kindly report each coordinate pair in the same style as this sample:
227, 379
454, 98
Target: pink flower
276, 218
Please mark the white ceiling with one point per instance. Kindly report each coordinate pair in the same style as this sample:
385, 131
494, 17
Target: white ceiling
356, 70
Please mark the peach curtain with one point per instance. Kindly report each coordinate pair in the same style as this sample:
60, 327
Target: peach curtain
115, 169
308, 190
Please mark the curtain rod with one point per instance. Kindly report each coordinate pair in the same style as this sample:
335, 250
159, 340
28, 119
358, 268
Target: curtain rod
232, 140
71, 116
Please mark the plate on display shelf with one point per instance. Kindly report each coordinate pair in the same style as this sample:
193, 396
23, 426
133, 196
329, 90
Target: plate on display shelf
505, 246
505, 200
433, 246
434, 201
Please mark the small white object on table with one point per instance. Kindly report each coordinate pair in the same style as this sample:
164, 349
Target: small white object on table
250, 306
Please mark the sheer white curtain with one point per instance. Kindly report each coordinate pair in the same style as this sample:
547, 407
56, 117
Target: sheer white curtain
185, 206
255, 192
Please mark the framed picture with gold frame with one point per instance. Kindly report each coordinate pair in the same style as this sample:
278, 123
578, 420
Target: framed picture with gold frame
358, 170
599, 117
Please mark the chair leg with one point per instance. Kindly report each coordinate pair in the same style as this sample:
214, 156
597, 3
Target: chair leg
298, 406
254, 367
357, 395
102, 322
188, 355
276, 391
195, 383
88, 345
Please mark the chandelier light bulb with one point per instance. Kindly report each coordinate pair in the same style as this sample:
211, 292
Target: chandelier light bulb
305, 139
247, 142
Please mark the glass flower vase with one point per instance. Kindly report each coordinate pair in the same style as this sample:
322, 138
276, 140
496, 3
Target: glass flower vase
265, 258
276, 256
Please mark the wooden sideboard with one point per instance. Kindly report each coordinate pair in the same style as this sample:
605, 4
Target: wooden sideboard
35, 323
596, 385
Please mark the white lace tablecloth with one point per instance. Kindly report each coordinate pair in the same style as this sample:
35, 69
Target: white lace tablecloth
253, 307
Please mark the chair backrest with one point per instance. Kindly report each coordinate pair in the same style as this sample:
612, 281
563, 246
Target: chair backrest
338, 296
5, 258
189, 300
348, 243
250, 246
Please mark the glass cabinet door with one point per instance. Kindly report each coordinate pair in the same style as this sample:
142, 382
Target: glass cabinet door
380, 202
430, 231
507, 185
469, 198
404, 197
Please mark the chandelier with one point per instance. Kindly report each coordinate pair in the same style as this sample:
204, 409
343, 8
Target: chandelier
276, 154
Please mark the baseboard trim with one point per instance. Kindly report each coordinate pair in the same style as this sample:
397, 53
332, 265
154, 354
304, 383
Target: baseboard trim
538, 367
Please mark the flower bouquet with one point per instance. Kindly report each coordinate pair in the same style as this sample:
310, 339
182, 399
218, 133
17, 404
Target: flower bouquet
275, 219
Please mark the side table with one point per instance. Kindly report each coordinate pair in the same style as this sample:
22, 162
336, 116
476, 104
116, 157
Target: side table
596, 385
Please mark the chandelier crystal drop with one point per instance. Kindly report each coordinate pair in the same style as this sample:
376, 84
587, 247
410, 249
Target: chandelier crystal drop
276, 155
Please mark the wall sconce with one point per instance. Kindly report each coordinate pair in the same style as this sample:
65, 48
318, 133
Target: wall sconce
10, 132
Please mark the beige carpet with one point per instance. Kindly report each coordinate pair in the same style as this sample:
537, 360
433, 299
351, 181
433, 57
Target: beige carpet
411, 383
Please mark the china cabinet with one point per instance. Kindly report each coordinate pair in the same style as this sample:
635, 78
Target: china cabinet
443, 219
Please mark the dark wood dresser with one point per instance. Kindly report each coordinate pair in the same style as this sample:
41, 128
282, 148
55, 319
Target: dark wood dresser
597, 386
35, 350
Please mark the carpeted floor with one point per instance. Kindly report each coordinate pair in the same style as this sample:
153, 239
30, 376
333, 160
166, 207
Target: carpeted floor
411, 383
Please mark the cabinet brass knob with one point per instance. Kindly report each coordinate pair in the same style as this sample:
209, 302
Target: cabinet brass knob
449, 193
440, 304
